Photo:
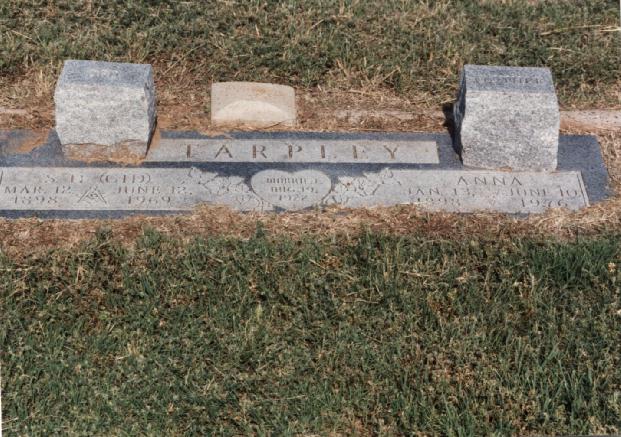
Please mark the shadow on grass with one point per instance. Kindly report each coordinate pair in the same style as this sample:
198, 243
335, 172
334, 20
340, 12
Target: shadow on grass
379, 334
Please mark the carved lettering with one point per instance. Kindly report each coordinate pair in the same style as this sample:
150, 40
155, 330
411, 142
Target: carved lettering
256, 151
297, 150
391, 151
180, 189
508, 80
224, 149
23, 189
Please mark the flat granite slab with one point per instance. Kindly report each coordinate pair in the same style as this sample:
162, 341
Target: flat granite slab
289, 150
289, 171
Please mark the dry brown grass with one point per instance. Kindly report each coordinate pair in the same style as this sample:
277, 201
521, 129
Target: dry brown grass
184, 108
27, 102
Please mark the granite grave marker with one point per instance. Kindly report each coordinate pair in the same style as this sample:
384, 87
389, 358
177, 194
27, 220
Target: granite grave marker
105, 109
507, 120
294, 150
507, 117
181, 189
45, 183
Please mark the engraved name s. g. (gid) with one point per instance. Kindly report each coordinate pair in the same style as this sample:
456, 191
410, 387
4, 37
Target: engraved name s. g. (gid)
121, 189
295, 150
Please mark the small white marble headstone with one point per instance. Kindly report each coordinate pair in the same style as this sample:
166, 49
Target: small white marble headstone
254, 105
105, 109
507, 117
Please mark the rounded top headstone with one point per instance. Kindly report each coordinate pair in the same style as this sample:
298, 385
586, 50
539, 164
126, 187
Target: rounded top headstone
252, 104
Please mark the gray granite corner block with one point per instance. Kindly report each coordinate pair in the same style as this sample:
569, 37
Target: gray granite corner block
105, 109
507, 117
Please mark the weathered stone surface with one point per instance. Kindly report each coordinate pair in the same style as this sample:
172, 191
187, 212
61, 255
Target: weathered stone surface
180, 189
21, 141
507, 117
105, 109
41, 181
464, 190
293, 150
291, 190
594, 119
250, 104
121, 189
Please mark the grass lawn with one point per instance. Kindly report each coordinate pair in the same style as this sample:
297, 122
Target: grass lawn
451, 333
376, 334
415, 48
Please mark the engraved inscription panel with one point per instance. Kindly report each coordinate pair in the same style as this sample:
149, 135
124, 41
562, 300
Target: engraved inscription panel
181, 189
291, 191
464, 191
508, 80
122, 189
312, 151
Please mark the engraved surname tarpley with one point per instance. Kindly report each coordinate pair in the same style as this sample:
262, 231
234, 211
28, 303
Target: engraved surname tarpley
181, 189
295, 150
